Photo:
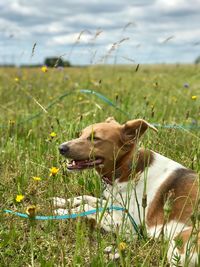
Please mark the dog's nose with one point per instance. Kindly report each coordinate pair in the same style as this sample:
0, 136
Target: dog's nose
63, 149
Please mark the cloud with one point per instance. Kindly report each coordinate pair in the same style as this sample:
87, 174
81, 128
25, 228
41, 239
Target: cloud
56, 25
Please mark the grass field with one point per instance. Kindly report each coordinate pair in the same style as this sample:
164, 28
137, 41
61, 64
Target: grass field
161, 94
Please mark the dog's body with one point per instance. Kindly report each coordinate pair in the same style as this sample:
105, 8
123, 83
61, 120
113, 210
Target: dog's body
156, 190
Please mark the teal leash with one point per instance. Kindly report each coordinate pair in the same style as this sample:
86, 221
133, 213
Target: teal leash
105, 100
77, 215
60, 98
62, 217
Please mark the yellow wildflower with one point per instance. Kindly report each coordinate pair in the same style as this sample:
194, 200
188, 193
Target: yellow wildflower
53, 134
122, 246
36, 178
174, 99
19, 198
44, 69
194, 97
155, 84
11, 122
31, 210
54, 171
16, 79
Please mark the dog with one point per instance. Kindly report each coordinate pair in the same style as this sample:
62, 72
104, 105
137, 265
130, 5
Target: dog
155, 190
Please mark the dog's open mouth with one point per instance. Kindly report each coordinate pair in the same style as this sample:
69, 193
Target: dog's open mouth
84, 164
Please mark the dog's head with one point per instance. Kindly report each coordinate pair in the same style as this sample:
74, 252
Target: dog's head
103, 144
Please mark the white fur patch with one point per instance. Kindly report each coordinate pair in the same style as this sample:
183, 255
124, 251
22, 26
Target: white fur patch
175, 257
171, 229
154, 176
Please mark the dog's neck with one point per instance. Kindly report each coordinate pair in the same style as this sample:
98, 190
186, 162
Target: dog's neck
131, 164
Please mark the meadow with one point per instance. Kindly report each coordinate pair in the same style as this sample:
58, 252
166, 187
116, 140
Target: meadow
34, 120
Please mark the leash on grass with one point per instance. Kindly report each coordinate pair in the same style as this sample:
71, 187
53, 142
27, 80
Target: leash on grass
105, 100
59, 98
77, 215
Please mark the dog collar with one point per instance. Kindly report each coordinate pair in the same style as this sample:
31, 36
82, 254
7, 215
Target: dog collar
116, 175
107, 180
135, 167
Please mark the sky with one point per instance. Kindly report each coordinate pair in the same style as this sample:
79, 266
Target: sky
100, 32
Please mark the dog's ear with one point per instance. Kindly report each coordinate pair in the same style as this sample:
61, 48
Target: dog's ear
111, 119
132, 130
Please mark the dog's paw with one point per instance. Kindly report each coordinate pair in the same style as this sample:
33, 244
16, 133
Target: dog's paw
108, 249
60, 212
111, 252
59, 202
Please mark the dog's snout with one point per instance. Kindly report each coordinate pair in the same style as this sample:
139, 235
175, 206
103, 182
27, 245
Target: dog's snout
64, 148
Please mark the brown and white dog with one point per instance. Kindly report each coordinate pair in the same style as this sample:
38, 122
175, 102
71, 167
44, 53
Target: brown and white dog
155, 189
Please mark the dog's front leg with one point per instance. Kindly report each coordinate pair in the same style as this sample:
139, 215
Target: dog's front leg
85, 199
113, 221
77, 201
82, 208
110, 221
59, 202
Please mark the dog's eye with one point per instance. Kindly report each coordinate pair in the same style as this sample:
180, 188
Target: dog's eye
93, 138
77, 134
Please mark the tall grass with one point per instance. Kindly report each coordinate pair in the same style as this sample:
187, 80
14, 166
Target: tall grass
156, 93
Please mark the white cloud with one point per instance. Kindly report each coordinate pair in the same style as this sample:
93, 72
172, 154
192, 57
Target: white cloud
56, 26
16, 7
172, 5
70, 39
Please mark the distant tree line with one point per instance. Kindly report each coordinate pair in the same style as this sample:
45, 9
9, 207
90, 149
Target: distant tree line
7, 65
53, 62
197, 60
50, 62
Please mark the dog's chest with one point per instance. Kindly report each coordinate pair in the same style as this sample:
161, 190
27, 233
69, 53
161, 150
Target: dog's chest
123, 195
130, 195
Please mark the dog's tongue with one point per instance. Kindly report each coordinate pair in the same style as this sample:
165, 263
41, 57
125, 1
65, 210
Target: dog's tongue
83, 164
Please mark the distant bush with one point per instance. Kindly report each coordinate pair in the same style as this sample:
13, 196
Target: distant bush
197, 60
56, 62
31, 66
7, 65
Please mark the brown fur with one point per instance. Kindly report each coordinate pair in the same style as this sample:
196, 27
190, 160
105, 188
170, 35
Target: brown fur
184, 237
183, 187
143, 159
114, 143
